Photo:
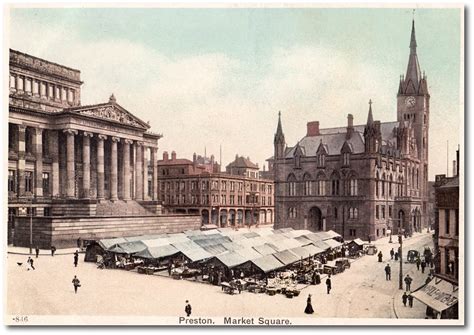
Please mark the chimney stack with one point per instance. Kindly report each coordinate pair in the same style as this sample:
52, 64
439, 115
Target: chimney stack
165, 156
312, 128
350, 126
457, 162
173, 155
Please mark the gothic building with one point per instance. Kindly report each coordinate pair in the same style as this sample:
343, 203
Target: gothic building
359, 180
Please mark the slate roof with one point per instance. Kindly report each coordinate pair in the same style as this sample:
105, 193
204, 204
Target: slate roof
242, 162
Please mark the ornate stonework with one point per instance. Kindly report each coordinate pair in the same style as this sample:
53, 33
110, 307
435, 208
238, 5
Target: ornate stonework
111, 113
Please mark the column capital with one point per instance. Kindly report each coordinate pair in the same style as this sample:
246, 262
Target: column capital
139, 143
22, 127
87, 134
102, 137
70, 131
115, 139
38, 131
127, 141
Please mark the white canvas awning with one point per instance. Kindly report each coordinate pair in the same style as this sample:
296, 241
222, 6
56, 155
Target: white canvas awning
439, 294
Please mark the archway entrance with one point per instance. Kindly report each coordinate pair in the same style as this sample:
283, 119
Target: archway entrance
315, 219
401, 222
205, 216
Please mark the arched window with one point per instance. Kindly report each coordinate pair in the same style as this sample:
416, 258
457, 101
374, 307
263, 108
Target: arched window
335, 184
321, 158
291, 185
377, 184
308, 185
321, 185
292, 213
346, 158
383, 185
417, 178
390, 185
335, 212
352, 186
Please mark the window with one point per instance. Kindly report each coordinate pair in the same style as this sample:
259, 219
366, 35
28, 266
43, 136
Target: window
345, 157
335, 212
390, 211
12, 81
43, 89
47, 211
50, 91
263, 201
390, 186
150, 184
353, 213
446, 221
291, 186
321, 187
232, 200
307, 187
232, 186
353, 186
11, 181
335, 187
28, 181
456, 221
63, 94
269, 201
28, 85
45, 183
383, 185
377, 211
292, 213
352, 232
20, 83
35, 87
383, 212
224, 185
321, 160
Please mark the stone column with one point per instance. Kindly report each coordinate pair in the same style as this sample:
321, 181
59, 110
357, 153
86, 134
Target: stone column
154, 163
21, 159
70, 163
38, 148
139, 171
100, 166
54, 153
86, 164
126, 169
113, 169
145, 174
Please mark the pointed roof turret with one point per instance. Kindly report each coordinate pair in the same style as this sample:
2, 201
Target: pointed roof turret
413, 74
370, 118
279, 136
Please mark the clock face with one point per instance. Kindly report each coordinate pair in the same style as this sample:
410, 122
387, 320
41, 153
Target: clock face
410, 101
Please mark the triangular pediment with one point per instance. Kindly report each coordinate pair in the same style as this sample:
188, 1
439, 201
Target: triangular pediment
110, 112
346, 148
322, 149
298, 151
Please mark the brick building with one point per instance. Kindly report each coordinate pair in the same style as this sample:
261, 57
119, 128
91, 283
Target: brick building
76, 171
236, 197
359, 180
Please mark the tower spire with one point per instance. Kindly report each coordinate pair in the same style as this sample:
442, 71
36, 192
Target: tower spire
413, 74
370, 118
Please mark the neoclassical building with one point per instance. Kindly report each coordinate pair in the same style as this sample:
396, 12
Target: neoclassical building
90, 164
359, 180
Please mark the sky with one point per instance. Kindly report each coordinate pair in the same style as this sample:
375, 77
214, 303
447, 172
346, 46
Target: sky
213, 77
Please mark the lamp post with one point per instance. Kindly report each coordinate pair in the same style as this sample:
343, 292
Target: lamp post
400, 251
31, 225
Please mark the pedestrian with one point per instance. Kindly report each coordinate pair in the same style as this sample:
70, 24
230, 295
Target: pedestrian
53, 250
328, 283
188, 308
380, 256
309, 307
410, 301
408, 281
404, 299
418, 263
169, 269
396, 256
76, 283
388, 272
392, 253
37, 250
30, 264
76, 258
423, 266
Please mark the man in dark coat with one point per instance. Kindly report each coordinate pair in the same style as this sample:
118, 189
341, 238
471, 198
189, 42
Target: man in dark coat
423, 266
188, 308
37, 250
328, 283
408, 281
396, 256
404, 299
76, 258
388, 272
380, 256
392, 253
418, 263
410, 301
53, 250
76, 283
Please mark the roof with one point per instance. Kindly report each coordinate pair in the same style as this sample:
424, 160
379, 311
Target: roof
248, 253
231, 259
267, 263
286, 257
358, 241
333, 243
332, 234
157, 252
334, 139
303, 240
241, 162
177, 161
321, 245
265, 249
196, 254
438, 294
152, 243
215, 249
128, 247
107, 243
312, 249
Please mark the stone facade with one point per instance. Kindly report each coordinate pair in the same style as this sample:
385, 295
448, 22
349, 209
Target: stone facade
359, 180
65, 159
222, 199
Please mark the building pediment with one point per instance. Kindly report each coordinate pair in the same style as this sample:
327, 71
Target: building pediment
110, 112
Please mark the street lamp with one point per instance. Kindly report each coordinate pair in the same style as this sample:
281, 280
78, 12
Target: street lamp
400, 249
31, 225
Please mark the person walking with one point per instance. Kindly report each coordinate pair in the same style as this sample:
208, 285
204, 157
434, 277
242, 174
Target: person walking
410, 301
188, 308
380, 256
53, 250
423, 266
328, 283
388, 272
76, 283
396, 256
418, 263
37, 251
30, 263
309, 307
408, 281
392, 253
76, 258
404, 299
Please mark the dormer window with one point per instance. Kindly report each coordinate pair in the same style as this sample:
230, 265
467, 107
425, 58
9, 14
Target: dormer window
346, 158
321, 160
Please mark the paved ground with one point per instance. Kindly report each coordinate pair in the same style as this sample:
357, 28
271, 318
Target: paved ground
361, 291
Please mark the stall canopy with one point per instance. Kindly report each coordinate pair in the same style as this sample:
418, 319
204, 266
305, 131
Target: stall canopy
312, 249
248, 253
156, 242
251, 235
332, 234
267, 263
303, 240
231, 259
333, 243
359, 242
322, 245
215, 249
128, 247
264, 249
313, 237
157, 252
438, 294
196, 255
286, 257
108, 243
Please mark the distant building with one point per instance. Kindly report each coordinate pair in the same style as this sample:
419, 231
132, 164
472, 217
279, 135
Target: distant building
233, 198
447, 225
359, 180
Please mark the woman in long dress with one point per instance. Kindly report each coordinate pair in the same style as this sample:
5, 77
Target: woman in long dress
309, 307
